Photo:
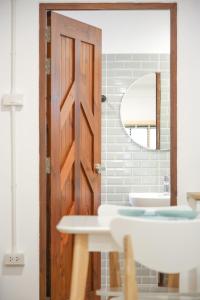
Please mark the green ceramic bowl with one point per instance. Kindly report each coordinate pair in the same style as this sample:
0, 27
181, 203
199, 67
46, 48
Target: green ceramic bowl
179, 214
131, 212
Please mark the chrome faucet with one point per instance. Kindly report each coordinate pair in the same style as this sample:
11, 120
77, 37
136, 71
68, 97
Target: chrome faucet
166, 184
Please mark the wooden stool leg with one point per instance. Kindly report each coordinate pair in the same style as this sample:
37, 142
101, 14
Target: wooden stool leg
173, 281
130, 284
79, 267
115, 277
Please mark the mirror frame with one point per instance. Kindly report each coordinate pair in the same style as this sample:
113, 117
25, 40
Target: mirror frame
43, 10
158, 107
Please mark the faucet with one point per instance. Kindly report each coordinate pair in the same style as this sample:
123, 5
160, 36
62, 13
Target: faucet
166, 184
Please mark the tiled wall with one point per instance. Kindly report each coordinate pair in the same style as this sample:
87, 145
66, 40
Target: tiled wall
130, 168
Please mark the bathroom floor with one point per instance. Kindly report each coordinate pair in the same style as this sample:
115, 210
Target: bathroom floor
146, 293
164, 296
168, 297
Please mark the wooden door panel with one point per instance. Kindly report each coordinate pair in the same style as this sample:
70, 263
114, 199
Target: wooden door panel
67, 66
87, 74
86, 207
74, 140
86, 140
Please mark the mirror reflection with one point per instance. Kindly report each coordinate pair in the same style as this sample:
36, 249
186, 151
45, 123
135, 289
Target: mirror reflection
141, 111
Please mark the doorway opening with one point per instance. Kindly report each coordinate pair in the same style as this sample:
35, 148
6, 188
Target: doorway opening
85, 114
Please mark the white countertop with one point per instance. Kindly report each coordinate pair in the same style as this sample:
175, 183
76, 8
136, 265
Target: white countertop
84, 224
97, 224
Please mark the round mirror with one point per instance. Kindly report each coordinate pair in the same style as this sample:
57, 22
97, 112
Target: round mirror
140, 111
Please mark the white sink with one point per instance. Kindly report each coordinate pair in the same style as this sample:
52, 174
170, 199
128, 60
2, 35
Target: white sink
149, 199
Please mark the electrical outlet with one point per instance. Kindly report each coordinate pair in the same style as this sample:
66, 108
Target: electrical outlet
16, 259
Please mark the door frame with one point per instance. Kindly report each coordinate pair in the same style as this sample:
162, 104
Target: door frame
43, 9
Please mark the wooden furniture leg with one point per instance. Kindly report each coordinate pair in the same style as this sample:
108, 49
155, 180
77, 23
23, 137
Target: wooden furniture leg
173, 281
114, 266
130, 284
79, 267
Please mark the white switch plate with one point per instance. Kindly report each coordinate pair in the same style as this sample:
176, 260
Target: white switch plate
12, 100
16, 259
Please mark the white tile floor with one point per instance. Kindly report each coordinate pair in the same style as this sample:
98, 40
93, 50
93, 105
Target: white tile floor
164, 296
161, 294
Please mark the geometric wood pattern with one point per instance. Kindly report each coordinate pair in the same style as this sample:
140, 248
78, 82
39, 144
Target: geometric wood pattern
75, 144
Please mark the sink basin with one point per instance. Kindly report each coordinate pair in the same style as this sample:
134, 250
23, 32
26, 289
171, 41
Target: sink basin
149, 199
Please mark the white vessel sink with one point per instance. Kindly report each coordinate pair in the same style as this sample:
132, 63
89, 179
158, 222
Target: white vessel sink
149, 199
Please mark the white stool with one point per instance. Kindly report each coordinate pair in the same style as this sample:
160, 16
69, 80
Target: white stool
166, 246
115, 288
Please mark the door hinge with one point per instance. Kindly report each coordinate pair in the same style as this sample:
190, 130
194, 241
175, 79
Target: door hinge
48, 66
48, 165
48, 34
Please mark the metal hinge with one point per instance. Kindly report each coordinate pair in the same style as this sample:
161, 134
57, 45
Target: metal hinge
48, 165
48, 66
48, 34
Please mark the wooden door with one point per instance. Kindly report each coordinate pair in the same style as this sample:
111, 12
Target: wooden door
75, 144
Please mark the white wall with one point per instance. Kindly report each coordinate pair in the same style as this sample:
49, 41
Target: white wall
188, 97
25, 286
20, 284
126, 32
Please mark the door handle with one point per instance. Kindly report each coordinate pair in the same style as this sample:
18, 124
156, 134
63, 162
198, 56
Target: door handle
99, 168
